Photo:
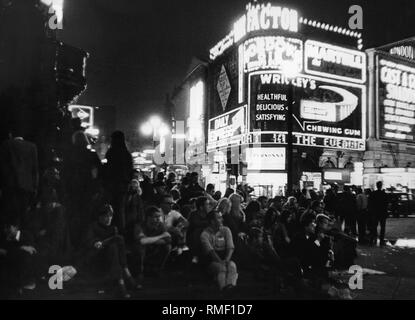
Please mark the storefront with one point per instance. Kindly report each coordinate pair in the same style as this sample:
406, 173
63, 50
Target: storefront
276, 65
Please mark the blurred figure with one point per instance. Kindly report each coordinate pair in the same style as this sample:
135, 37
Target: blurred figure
118, 175
134, 206
350, 210
19, 176
362, 214
171, 181
80, 174
197, 223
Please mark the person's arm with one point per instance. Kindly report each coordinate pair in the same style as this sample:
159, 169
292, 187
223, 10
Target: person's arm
230, 247
161, 239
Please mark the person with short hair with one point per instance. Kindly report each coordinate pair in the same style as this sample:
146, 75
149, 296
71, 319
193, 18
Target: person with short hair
218, 247
174, 222
152, 242
107, 250
197, 223
379, 206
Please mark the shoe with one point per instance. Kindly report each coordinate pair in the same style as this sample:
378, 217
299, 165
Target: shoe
123, 291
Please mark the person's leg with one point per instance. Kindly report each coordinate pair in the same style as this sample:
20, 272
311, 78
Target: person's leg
382, 222
113, 259
218, 271
231, 274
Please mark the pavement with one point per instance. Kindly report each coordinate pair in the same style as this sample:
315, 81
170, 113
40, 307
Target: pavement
389, 273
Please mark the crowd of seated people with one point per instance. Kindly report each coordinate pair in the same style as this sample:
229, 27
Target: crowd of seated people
125, 229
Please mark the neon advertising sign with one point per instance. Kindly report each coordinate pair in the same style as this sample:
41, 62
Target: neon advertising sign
259, 17
396, 101
273, 53
334, 62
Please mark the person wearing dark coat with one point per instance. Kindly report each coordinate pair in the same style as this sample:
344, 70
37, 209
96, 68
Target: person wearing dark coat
118, 174
378, 204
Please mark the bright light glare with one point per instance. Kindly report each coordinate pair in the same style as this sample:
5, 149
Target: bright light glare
146, 129
155, 121
92, 131
164, 130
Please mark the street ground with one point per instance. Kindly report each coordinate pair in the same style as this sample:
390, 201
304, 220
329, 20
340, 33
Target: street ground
396, 262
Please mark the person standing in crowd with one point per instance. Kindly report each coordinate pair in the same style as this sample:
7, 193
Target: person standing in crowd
80, 173
218, 247
152, 242
362, 214
118, 175
263, 203
19, 175
106, 251
194, 190
281, 237
159, 185
210, 192
134, 207
379, 206
197, 223
171, 181
330, 202
350, 210
148, 191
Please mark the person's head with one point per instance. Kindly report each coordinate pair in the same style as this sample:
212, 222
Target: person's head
160, 176
105, 215
135, 187
228, 192
171, 176
359, 190
323, 223
286, 216
118, 139
210, 189
316, 206
224, 206
346, 189
236, 201
194, 178
153, 216
308, 223
270, 218
192, 203
292, 201
304, 191
202, 204
10, 230
262, 201
276, 203
166, 202
252, 210
185, 182
379, 185
217, 195
215, 219
80, 140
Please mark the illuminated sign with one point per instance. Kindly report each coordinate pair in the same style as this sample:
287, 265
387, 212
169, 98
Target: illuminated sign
396, 100
334, 62
223, 87
273, 53
403, 51
227, 128
84, 113
327, 113
258, 18
265, 17
265, 158
195, 121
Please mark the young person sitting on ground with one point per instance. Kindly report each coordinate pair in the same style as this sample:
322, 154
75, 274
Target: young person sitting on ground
218, 247
107, 252
152, 242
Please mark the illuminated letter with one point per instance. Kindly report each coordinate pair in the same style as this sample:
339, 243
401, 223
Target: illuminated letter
356, 20
265, 23
356, 280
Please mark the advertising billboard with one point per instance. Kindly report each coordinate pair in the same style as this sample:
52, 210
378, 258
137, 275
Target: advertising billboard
327, 113
395, 99
227, 129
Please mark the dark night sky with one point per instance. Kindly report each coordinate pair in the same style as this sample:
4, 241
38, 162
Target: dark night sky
139, 50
